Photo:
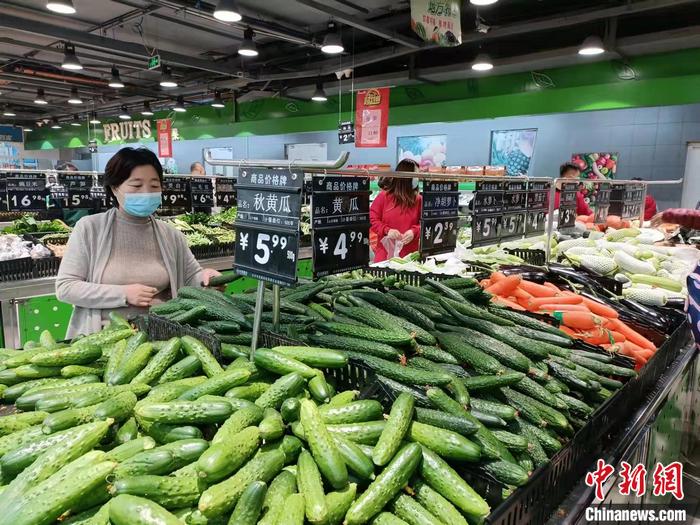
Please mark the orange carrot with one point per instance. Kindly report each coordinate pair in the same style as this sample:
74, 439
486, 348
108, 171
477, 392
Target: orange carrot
571, 299
563, 307
537, 290
506, 302
570, 331
551, 286
632, 335
519, 293
497, 276
644, 352
485, 283
581, 320
599, 308
505, 286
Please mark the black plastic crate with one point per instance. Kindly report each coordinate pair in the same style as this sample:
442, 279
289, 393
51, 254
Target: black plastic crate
16, 270
534, 257
415, 278
46, 267
211, 251
159, 328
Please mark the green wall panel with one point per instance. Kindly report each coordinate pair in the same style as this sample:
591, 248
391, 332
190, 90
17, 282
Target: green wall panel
43, 313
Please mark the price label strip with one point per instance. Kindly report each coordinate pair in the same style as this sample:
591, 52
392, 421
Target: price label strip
439, 217
487, 213
267, 224
536, 215
340, 219
602, 203
27, 192
627, 200
567, 205
177, 193
202, 193
225, 192
78, 191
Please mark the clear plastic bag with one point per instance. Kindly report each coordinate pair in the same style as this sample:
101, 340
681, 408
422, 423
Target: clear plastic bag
393, 247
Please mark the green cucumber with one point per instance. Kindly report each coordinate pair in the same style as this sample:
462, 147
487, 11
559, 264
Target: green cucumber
249, 391
319, 389
133, 510
217, 384
314, 356
490, 382
247, 416
311, 486
513, 442
465, 352
397, 372
272, 426
295, 505
497, 409
184, 412
497, 349
128, 431
506, 472
72, 355
409, 510
355, 344
185, 367
286, 386
21, 421
130, 449
193, 347
440, 419
448, 444
338, 504
281, 364
290, 409
160, 362
249, 506
396, 429
355, 459
273, 507
353, 412
131, 366
386, 486
168, 491
437, 505
324, 451
371, 334
387, 518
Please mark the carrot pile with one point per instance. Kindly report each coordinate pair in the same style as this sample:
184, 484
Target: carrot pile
580, 317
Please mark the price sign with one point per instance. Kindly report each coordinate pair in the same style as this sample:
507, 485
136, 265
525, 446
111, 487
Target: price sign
26, 192
627, 200
267, 224
339, 200
341, 249
602, 203
486, 229
513, 225
515, 196
267, 254
488, 205
346, 133
438, 235
567, 205
535, 222
78, 190
202, 193
176, 193
340, 219
225, 192
537, 194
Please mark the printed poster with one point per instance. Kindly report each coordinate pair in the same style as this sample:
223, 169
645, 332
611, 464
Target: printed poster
596, 165
165, 138
513, 148
372, 118
437, 21
428, 151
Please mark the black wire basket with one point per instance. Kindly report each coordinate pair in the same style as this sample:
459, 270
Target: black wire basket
159, 328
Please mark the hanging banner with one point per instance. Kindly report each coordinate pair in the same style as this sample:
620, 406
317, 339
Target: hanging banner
165, 138
437, 21
371, 118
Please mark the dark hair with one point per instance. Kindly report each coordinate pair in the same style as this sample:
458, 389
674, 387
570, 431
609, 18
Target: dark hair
568, 166
192, 166
407, 165
120, 166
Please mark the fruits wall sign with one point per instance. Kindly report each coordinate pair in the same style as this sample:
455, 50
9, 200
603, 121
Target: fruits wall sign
596, 165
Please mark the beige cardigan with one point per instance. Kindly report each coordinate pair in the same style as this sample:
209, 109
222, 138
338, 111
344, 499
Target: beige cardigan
80, 275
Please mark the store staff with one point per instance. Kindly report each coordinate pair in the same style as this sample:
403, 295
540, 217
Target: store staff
395, 213
125, 260
196, 168
571, 171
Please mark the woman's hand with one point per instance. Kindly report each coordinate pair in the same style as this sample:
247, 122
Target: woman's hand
208, 273
407, 237
394, 235
139, 294
657, 220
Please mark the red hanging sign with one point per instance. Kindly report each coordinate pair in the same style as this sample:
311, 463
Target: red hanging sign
165, 138
372, 118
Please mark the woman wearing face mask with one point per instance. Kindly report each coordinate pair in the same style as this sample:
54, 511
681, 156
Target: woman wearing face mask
124, 260
395, 213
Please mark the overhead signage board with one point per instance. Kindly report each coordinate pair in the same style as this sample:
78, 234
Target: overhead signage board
340, 219
267, 224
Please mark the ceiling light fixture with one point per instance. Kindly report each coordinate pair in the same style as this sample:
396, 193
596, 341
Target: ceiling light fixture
482, 62
248, 47
65, 7
40, 99
217, 102
115, 82
26, 129
146, 111
227, 11
70, 59
180, 105
75, 97
166, 79
8, 112
76, 121
482, 2
319, 95
55, 124
332, 43
94, 119
124, 113
593, 45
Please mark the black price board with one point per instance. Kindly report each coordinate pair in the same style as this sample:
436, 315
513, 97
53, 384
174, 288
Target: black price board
567, 205
225, 189
537, 194
487, 212
267, 254
346, 133
3, 192
627, 200
602, 203
27, 192
513, 225
78, 190
176, 193
202, 193
267, 224
486, 229
340, 249
438, 235
488, 197
339, 200
515, 196
535, 222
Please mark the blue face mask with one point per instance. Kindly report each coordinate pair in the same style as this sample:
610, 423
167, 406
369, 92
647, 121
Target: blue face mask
141, 204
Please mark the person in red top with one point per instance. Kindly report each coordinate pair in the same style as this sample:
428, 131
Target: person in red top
571, 171
395, 213
649, 204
